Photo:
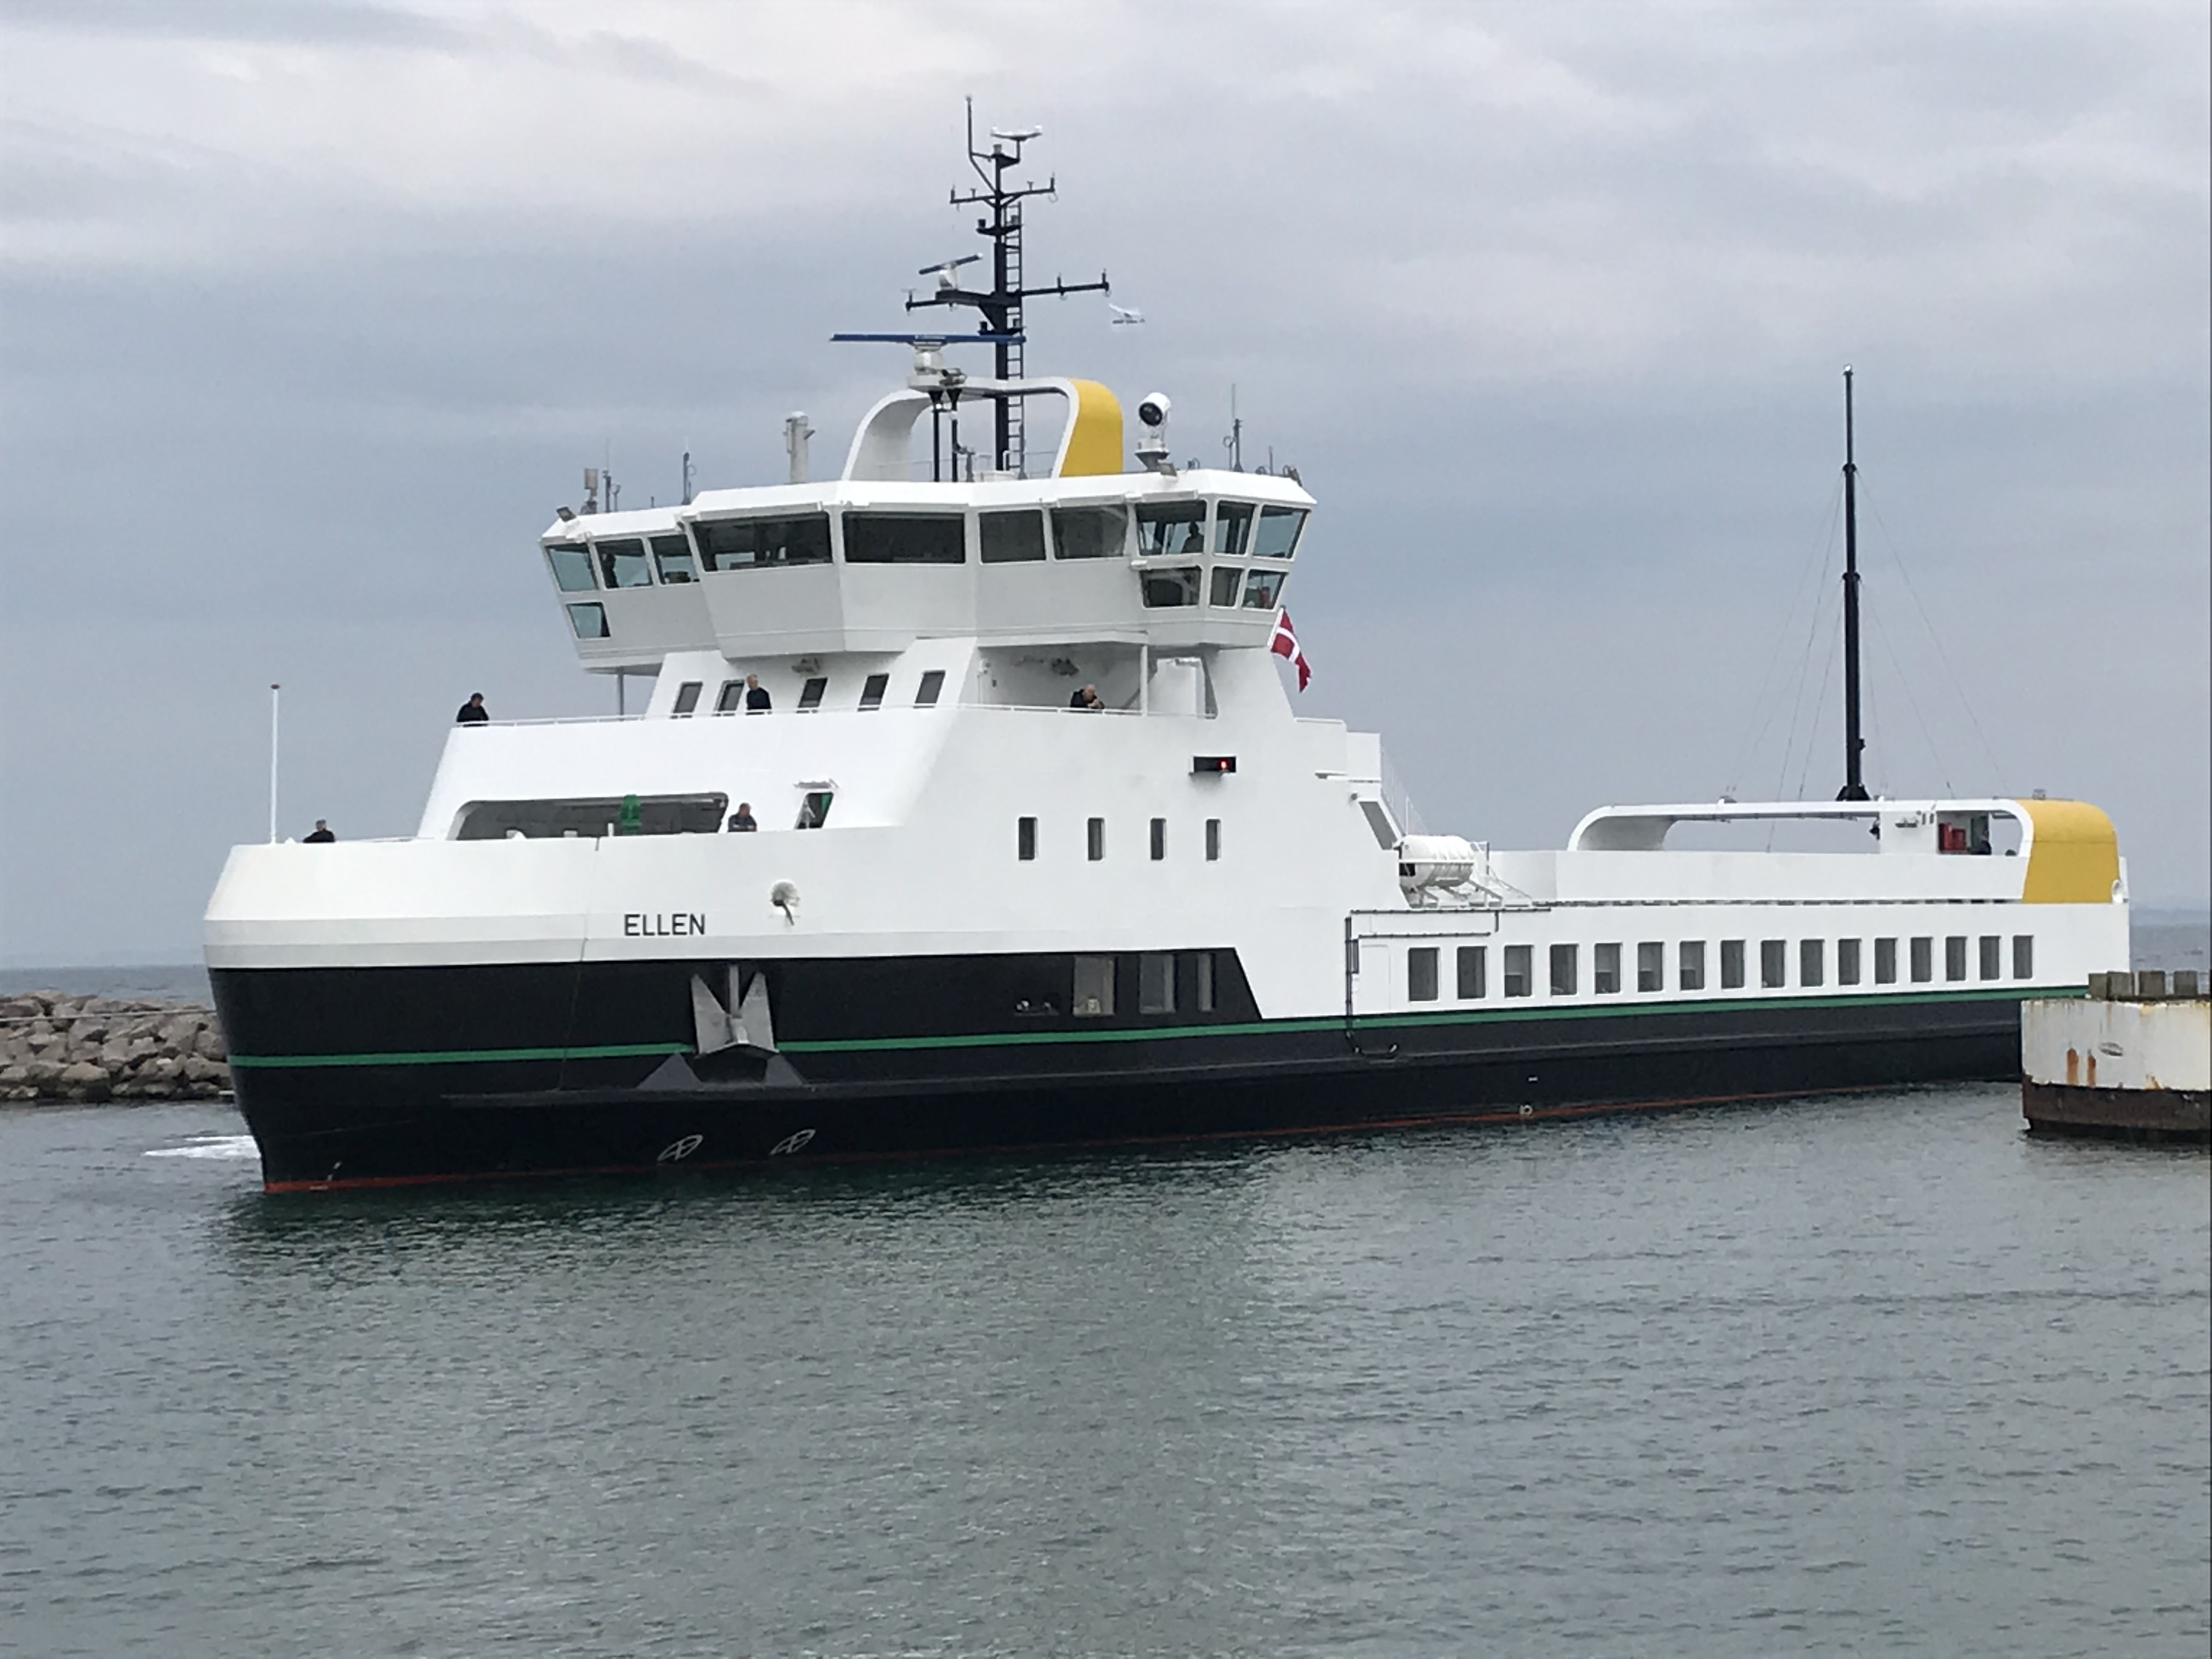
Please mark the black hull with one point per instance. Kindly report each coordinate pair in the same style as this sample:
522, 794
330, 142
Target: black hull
388, 1075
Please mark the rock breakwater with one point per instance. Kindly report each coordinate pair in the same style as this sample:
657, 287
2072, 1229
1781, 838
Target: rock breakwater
54, 1047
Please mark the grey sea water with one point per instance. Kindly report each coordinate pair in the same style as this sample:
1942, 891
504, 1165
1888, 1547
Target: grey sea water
1878, 1375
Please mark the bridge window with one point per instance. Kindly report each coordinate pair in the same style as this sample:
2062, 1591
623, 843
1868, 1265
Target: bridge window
590, 621
1520, 970
905, 539
1090, 532
932, 682
1226, 577
1473, 967
687, 696
1166, 589
622, 563
1565, 969
549, 820
2023, 956
1094, 987
1260, 588
672, 555
1605, 969
1847, 962
1171, 527
1690, 965
1015, 538
1732, 964
572, 567
1421, 972
1278, 531
1885, 962
748, 543
1651, 966
1232, 529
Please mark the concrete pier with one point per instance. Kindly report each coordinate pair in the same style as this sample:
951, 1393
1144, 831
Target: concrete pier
2133, 1061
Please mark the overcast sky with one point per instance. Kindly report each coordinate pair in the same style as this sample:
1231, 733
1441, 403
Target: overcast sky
312, 312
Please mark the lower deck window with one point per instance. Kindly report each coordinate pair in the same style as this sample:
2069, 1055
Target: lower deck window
1094, 838
809, 695
932, 682
1520, 970
1564, 968
1650, 967
2023, 956
1955, 957
1421, 974
1992, 955
1812, 961
1159, 839
687, 696
1731, 964
1473, 973
1094, 987
601, 815
1025, 839
1923, 960
1773, 963
1213, 841
1690, 972
1156, 983
1605, 969
731, 698
872, 689
1847, 962
1885, 962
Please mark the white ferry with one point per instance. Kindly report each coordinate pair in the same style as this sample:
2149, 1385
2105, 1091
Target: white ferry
979, 912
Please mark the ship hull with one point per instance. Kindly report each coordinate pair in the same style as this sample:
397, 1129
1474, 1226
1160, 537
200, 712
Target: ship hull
397, 1075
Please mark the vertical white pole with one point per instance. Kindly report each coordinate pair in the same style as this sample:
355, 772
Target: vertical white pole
275, 689
1145, 679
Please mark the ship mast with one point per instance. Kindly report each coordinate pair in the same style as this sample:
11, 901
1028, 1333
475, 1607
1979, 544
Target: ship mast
1854, 745
1002, 305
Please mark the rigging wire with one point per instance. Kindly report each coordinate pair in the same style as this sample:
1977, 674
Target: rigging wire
1762, 705
1958, 688
1934, 755
1820, 611
1820, 702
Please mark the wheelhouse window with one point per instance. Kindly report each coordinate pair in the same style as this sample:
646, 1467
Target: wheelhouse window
1605, 969
1025, 839
1260, 588
1232, 529
1923, 960
1011, 537
1992, 957
905, 539
622, 563
1955, 957
1520, 971
1421, 972
1168, 529
1225, 579
1090, 532
1690, 965
811, 694
1812, 961
1773, 963
1885, 962
571, 565
687, 696
591, 816
1847, 961
872, 689
1278, 531
750, 544
1473, 973
933, 684
1094, 987
671, 556
731, 698
590, 621
1732, 964
1167, 589
1565, 969
2023, 956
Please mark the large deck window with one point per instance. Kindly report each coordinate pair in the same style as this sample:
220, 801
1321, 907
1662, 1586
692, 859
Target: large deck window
905, 539
601, 815
1519, 970
1016, 537
749, 543
1421, 974
622, 563
1090, 532
1564, 963
1474, 974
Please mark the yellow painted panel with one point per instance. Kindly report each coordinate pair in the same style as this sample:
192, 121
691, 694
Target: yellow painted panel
1094, 445
2074, 857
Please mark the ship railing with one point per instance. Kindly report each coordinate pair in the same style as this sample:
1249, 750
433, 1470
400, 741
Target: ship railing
887, 708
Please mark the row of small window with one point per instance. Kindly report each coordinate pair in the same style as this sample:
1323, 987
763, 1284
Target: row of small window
1985, 956
1232, 530
731, 699
1094, 840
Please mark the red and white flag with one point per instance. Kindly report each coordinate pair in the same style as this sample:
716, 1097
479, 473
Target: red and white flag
1286, 644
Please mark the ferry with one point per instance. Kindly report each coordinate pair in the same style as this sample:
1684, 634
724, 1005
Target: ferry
969, 811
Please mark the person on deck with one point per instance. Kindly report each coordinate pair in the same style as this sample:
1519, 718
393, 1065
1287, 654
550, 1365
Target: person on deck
322, 833
473, 712
742, 819
757, 701
1087, 698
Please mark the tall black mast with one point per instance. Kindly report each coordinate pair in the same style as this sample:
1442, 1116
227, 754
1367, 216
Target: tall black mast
1854, 745
1001, 306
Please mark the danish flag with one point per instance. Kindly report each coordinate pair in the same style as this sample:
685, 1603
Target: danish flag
1286, 644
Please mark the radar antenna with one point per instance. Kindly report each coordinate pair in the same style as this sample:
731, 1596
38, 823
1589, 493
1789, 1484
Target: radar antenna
1000, 306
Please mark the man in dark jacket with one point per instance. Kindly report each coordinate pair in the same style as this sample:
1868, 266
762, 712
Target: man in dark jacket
322, 833
757, 701
473, 713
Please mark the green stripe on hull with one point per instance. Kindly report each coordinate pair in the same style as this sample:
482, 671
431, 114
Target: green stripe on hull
1150, 1034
